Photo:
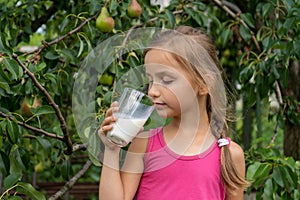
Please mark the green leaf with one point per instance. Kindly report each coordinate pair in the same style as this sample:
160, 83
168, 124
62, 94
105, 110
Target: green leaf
11, 180
290, 23
41, 66
51, 55
81, 46
17, 163
66, 171
43, 110
251, 170
12, 129
245, 33
44, 143
3, 47
225, 36
258, 172
13, 67
5, 86
196, 17
4, 163
14, 198
277, 176
170, 17
290, 176
30, 191
268, 189
266, 9
247, 17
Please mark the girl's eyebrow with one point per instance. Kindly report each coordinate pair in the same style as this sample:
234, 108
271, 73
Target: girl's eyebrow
162, 73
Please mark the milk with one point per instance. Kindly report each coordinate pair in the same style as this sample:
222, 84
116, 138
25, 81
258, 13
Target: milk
125, 129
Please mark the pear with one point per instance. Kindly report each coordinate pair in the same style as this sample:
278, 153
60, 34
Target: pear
25, 107
134, 9
104, 22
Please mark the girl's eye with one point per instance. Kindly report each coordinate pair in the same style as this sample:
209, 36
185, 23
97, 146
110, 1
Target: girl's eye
167, 80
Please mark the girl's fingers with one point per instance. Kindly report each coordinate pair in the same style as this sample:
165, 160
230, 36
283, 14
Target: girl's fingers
113, 108
109, 120
104, 129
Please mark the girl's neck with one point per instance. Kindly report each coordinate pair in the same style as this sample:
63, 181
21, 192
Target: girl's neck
190, 134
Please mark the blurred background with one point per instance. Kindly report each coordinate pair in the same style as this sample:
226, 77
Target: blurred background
43, 44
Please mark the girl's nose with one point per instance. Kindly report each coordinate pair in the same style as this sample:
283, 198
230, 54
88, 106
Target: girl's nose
153, 90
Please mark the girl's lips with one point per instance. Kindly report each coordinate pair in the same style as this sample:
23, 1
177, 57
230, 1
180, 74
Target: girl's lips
159, 105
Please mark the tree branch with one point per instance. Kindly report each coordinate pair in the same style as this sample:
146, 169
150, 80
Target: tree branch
34, 129
66, 138
55, 41
275, 134
71, 182
236, 16
77, 147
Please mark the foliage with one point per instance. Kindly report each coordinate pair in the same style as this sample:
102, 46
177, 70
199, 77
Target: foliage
257, 41
272, 175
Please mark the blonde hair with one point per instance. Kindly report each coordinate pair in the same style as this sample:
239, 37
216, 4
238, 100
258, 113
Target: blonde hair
196, 52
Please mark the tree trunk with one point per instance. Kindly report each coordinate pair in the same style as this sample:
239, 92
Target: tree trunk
292, 131
247, 126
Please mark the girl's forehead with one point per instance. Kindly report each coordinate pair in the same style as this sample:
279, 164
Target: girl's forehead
157, 60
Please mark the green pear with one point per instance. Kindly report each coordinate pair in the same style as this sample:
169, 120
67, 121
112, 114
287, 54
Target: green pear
25, 107
134, 9
104, 22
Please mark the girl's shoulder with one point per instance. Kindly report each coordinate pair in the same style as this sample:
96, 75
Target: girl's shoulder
236, 151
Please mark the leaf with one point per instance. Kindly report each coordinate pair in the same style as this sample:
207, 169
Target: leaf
41, 66
258, 172
44, 143
11, 180
290, 23
4, 163
225, 36
81, 46
290, 176
247, 17
3, 47
14, 198
13, 67
12, 129
268, 189
251, 170
266, 9
245, 33
17, 163
277, 176
195, 16
30, 191
51, 55
66, 171
44, 110
170, 17
94, 148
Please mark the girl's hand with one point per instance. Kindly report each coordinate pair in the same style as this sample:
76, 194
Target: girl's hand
107, 126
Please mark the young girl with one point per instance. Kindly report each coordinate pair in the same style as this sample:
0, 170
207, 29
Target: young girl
190, 158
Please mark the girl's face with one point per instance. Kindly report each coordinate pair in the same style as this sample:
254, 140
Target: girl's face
171, 89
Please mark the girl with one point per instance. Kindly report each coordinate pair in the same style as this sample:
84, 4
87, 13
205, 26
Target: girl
190, 157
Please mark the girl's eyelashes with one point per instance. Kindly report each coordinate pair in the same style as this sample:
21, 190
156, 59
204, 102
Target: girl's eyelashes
160, 79
167, 80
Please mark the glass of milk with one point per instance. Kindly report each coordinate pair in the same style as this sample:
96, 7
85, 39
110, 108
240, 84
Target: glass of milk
135, 108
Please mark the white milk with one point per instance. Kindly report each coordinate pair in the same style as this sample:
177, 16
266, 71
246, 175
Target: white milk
125, 130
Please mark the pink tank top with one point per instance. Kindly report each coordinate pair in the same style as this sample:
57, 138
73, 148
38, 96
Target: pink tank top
168, 175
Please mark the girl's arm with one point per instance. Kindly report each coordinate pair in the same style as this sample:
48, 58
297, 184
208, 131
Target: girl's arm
116, 184
122, 185
237, 154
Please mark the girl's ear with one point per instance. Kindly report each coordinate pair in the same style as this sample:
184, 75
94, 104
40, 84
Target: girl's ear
202, 90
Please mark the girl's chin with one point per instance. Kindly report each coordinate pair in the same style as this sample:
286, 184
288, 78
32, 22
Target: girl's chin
162, 114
